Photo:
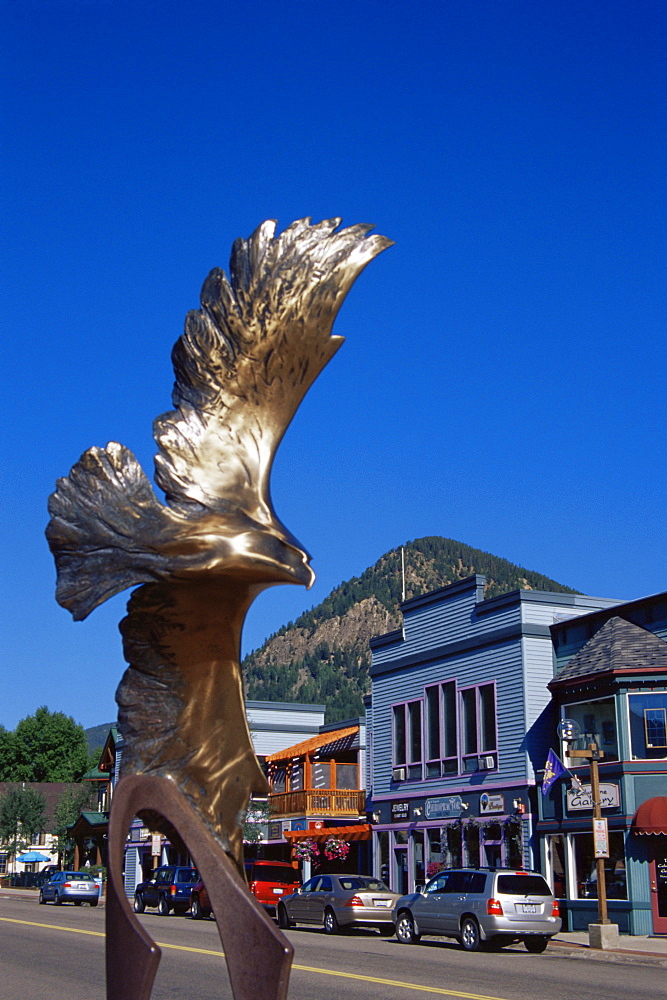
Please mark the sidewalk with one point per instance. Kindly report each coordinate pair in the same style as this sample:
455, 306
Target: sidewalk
628, 945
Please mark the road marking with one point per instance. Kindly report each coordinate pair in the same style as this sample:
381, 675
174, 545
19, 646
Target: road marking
437, 990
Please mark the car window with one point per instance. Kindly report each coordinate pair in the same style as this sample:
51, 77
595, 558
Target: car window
522, 885
162, 875
374, 884
456, 882
81, 877
309, 886
186, 875
438, 884
326, 885
272, 873
474, 882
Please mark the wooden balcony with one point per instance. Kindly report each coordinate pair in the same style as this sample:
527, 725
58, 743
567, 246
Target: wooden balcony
318, 802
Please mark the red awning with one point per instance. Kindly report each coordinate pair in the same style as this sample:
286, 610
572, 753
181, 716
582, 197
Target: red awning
651, 817
362, 831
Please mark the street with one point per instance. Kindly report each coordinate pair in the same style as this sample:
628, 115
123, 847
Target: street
52, 952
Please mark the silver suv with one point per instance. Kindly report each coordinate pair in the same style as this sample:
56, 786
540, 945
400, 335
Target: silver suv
474, 905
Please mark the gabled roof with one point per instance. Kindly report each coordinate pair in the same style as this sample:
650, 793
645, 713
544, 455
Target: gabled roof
334, 741
617, 647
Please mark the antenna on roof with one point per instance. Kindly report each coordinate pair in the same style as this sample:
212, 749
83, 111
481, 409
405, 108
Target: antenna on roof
403, 569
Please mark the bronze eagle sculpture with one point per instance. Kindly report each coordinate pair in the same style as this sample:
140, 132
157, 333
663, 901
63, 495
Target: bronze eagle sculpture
242, 366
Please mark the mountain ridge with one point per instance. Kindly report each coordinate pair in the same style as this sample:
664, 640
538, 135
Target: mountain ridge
323, 657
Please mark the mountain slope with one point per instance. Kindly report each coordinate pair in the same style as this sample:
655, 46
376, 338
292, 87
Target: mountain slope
323, 657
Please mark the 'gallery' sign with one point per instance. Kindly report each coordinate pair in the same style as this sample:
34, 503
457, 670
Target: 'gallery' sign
583, 798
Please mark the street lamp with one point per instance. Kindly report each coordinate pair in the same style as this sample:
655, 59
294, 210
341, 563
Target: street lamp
569, 732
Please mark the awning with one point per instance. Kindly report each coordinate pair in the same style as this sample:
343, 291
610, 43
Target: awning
651, 817
362, 831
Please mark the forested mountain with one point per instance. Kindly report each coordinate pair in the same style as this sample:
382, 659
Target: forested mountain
323, 657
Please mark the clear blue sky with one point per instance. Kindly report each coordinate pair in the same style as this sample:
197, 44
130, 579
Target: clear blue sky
502, 382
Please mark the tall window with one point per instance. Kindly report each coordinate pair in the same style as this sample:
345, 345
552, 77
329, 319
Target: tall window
648, 725
408, 738
441, 730
478, 720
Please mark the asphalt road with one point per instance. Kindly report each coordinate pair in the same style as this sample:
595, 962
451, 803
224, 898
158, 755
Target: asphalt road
58, 952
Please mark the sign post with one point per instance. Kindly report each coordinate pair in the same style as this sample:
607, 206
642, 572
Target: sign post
600, 835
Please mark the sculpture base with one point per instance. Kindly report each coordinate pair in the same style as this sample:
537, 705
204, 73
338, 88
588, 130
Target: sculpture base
245, 929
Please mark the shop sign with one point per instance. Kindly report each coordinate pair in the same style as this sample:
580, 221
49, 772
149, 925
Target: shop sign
583, 798
491, 803
275, 830
600, 838
444, 807
399, 811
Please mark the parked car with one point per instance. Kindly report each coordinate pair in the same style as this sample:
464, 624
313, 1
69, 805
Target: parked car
337, 901
70, 887
45, 874
474, 905
169, 889
267, 880
200, 904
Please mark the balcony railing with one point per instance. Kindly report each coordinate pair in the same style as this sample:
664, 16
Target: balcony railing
318, 802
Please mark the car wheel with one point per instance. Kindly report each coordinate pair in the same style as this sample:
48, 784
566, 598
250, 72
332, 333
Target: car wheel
139, 905
284, 921
197, 912
536, 945
163, 906
41, 898
405, 928
94, 902
330, 923
386, 930
56, 899
470, 936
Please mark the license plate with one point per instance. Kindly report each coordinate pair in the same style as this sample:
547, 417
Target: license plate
80, 885
382, 902
529, 908
278, 892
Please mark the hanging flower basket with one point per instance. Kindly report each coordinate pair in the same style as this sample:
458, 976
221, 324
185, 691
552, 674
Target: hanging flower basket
335, 848
306, 850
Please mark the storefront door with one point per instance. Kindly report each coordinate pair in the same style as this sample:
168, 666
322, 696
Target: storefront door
658, 875
400, 870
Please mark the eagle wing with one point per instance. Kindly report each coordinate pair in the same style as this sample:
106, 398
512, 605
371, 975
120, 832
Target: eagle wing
247, 358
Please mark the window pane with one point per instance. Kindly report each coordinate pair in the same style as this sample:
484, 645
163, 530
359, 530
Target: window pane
597, 720
399, 734
614, 867
415, 717
432, 723
278, 780
468, 702
487, 706
647, 725
321, 774
449, 719
346, 776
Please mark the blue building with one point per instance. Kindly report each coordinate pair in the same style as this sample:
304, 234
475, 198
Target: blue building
611, 678
459, 727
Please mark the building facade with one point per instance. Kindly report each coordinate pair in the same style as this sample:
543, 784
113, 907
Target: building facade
318, 798
459, 724
611, 679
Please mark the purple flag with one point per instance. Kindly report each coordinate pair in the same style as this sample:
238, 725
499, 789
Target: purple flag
553, 769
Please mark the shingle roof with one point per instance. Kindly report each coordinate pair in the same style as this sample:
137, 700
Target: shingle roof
617, 646
333, 741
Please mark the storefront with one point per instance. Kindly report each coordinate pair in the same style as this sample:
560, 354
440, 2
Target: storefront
415, 838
